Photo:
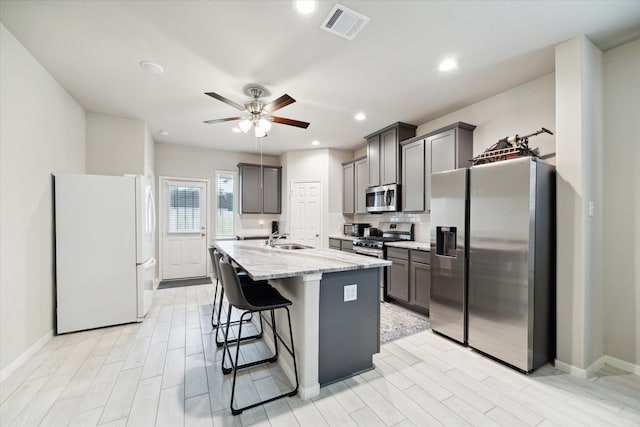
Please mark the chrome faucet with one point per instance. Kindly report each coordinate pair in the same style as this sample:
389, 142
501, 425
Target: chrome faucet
271, 242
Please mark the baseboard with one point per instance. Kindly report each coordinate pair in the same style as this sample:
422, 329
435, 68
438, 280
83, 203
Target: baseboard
596, 366
13, 366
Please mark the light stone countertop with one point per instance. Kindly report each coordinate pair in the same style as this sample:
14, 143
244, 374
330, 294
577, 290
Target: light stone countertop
341, 237
263, 263
413, 244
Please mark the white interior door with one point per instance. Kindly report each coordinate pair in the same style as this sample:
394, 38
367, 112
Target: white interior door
306, 212
184, 234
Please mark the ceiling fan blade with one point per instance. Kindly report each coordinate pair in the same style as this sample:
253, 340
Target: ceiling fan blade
290, 122
226, 100
277, 104
228, 119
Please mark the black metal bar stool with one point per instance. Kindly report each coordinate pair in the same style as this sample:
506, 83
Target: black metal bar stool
241, 273
252, 299
245, 281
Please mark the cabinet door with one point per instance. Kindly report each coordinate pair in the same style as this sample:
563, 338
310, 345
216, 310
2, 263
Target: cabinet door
443, 151
373, 157
251, 197
334, 243
420, 284
272, 190
360, 186
398, 279
427, 175
389, 157
347, 188
413, 182
346, 245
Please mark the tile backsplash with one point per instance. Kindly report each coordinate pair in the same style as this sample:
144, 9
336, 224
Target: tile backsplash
421, 221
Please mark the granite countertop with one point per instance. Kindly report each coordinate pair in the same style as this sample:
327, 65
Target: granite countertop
413, 244
262, 262
341, 237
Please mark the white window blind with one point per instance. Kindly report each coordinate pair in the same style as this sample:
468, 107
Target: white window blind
225, 200
184, 209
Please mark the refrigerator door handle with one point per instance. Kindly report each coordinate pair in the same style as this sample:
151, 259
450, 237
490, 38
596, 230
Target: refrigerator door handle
148, 263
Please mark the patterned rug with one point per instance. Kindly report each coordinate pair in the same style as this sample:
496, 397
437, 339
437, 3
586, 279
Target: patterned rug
397, 322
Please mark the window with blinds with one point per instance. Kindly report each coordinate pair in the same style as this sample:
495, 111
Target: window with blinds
184, 209
224, 203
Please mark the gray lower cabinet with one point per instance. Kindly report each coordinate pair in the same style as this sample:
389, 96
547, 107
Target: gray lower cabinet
334, 243
409, 278
419, 279
398, 274
260, 189
346, 245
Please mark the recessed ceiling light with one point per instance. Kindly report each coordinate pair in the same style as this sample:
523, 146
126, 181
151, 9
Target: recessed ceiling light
360, 117
448, 64
235, 130
152, 67
163, 132
304, 7
315, 142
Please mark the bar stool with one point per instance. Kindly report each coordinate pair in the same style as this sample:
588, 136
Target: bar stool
251, 300
246, 282
241, 273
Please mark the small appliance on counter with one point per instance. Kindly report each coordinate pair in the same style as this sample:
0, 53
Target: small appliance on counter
355, 229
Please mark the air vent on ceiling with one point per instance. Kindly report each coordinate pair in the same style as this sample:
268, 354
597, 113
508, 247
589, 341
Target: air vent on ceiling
344, 22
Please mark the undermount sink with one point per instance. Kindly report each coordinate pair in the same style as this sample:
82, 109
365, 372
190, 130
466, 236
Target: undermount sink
291, 246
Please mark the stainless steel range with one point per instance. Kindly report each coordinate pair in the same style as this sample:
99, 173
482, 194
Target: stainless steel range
374, 244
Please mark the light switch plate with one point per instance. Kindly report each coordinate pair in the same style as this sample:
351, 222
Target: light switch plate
350, 292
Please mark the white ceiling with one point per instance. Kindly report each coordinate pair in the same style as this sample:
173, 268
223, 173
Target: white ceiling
389, 70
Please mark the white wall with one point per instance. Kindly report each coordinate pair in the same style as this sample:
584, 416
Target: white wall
324, 165
622, 202
42, 131
117, 145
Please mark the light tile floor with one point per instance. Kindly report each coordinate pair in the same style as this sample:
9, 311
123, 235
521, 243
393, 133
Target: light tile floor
166, 372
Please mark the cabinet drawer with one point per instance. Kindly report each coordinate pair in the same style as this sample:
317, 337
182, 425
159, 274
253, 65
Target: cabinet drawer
398, 253
346, 245
334, 243
423, 257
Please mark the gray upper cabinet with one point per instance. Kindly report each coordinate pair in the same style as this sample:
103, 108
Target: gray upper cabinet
451, 147
348, 183
355, 179
444, 149
260, 189
383, 153
415, 168
373, 157
361, 184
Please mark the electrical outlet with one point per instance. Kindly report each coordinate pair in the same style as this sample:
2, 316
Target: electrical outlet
350, 292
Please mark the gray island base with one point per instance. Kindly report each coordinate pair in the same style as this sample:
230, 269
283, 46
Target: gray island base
335, 313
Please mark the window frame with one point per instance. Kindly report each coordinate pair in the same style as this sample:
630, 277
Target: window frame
234, 204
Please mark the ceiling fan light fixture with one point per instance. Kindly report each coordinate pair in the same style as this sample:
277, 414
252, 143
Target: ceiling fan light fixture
304, 7
244, 125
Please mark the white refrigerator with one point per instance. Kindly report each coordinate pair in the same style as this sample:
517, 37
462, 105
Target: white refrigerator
104, 238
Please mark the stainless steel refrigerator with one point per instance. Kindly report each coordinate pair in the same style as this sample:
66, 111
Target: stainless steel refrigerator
507, 302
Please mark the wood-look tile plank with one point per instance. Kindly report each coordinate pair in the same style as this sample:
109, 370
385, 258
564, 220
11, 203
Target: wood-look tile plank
145, 403
347, 398
426, 383
279, 414
161, 333
171, 407
434, 407
224, 418
121, 348
197, 411
87, 418
177, 336
195, 380
504, 418
365, 417
173, 368
20, 398
333, 412
306, 412
468, 412
38, 407
387, 371
122, 394
10, 384
100, 389
154, 363
374, 400
193, 342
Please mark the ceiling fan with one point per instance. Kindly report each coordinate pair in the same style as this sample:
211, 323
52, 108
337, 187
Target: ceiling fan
259, 113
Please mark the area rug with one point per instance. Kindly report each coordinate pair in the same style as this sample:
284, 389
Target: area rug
397, 322
165, 284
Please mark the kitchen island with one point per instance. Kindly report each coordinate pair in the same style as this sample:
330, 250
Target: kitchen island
335, 313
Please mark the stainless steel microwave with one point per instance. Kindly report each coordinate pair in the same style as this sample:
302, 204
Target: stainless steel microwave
385, 198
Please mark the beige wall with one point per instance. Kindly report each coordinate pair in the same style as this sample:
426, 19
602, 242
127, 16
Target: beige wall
42, 131
622, 202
